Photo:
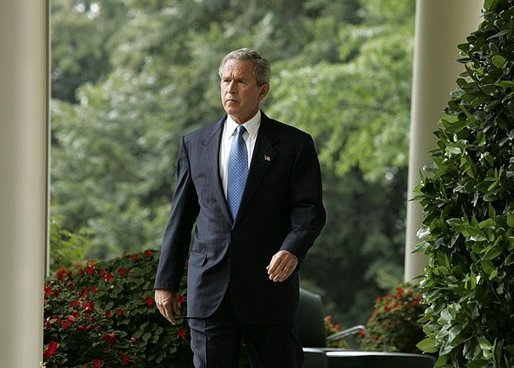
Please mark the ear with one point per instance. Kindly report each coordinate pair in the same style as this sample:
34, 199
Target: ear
264, 89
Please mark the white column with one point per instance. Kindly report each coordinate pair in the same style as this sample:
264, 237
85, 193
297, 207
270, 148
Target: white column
440, 26
23, 179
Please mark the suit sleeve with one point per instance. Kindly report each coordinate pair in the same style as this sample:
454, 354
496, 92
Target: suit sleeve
177, 236
307, 213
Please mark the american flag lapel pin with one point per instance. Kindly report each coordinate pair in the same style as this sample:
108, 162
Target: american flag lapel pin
267, 158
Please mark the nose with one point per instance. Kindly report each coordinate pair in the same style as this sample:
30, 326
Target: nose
231, 88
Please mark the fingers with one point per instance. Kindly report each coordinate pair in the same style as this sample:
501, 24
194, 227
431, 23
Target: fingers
167, 304
176, 306
282, 265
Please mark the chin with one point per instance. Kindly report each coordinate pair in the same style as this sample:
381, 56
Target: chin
231, 111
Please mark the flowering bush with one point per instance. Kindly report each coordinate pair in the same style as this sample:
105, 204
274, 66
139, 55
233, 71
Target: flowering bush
393, 325
102, 314
332, 327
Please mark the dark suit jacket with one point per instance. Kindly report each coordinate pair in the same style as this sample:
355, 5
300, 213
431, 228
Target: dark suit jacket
281, 209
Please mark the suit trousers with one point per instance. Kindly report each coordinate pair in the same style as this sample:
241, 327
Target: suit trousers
216, 341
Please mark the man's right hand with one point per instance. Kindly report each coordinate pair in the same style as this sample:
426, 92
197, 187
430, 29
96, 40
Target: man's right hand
167, 304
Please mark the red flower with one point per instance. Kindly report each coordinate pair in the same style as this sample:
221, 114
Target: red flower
50, 350
89, 306
65, 324
148, 252
90, 269
122, 271
48, 291
399, 292
110, 338
149, 301
60, 274
97, 363
119, 312
135, 257
108, 277
182, 333
108, 314
181, 299
125, 359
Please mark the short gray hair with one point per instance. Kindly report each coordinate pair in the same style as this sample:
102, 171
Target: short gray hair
261, 66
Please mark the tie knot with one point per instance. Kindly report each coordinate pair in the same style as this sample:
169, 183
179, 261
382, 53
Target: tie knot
240, 130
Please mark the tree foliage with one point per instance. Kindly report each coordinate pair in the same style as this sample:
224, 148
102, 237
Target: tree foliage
132, 76
467, 194
357, 108
67, 248
82, 34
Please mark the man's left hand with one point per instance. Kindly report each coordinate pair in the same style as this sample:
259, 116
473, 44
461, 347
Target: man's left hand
282, 265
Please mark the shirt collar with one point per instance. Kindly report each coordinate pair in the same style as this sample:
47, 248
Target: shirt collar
251, 126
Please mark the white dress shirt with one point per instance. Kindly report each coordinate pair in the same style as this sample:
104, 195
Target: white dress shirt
227, 137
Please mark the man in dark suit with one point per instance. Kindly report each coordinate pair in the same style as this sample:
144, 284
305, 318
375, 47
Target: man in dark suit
250, 187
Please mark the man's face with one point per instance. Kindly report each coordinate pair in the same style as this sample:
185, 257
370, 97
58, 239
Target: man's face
240, 94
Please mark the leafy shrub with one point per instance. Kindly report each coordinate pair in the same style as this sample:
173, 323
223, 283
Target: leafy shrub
468, 199
393, 325
103, 314
67, 248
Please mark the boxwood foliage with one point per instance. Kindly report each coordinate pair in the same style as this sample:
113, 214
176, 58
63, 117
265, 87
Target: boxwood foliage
467, 193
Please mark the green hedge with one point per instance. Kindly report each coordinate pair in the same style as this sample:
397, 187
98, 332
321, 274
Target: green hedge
468, 199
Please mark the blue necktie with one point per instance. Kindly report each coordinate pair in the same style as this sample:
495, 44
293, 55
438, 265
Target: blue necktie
237, 171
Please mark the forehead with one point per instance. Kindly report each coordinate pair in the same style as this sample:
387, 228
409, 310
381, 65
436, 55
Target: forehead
240, 68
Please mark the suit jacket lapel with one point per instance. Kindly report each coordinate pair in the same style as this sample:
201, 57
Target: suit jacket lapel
262, 158
212, 148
